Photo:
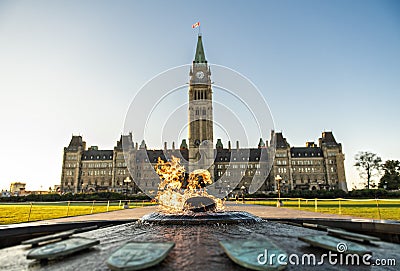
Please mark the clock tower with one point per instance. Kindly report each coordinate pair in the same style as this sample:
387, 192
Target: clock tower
200, 123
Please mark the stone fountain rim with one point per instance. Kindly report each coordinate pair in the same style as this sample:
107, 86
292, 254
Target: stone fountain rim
218, 217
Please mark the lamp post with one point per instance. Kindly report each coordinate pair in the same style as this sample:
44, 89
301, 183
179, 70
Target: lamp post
127, 181
134, 187
278, 180
243, 188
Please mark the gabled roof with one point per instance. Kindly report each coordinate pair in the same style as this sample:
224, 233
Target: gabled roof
328, 139
97, 155
238, 155
302, 152
152, 155
280, 141
125, 142
75, 143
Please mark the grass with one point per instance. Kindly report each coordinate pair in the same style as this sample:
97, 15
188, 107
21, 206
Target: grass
388, 209
24, 212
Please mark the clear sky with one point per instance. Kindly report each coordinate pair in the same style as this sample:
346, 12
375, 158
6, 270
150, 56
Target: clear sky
73, 67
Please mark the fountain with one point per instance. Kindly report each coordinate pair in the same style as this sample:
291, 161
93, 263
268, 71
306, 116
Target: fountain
206, 233
186, 201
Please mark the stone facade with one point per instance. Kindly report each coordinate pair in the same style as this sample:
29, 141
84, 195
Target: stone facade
200, 122
313, 167
130, 165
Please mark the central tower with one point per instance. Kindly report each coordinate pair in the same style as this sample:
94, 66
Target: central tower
201, 152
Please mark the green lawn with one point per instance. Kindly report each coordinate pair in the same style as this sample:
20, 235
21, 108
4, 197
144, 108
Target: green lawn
23, 212
388, 209
19, 212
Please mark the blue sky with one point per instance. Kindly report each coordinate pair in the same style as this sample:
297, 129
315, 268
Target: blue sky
72, 67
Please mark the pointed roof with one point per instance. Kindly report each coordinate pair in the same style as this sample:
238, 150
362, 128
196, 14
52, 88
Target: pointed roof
328, 139
219, 144
280, 141
183, 144
75, 143
261, 144
200, 57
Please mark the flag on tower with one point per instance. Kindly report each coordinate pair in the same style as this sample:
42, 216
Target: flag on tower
196, 25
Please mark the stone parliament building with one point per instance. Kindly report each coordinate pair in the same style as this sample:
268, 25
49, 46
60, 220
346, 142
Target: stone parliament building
312, 167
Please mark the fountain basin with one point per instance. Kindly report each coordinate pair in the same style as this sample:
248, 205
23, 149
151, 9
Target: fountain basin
196, 218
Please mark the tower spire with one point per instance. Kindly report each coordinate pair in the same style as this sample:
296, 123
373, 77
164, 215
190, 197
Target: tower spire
200, 57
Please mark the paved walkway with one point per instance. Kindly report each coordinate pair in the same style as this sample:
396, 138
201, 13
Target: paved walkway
133, 214
274, 212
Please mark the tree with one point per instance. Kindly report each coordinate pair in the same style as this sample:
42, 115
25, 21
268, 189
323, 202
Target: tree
368, 164
391, 178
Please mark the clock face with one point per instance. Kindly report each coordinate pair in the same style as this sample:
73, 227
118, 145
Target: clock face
200, 75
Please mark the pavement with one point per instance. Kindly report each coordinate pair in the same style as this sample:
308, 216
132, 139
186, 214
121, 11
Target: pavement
269, 212
133, 214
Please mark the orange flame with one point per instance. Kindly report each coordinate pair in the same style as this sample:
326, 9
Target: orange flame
170, 194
